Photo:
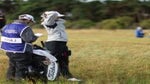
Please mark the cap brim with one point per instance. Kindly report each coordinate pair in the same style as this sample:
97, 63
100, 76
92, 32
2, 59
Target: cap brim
61, 15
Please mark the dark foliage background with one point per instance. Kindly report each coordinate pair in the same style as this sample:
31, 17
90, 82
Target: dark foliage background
96, 14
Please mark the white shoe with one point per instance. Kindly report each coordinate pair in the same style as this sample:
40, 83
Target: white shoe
73, 79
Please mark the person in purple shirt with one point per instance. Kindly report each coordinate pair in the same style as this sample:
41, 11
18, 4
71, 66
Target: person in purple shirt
139, 32
16, 41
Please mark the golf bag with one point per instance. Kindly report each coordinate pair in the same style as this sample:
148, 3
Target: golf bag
43, 66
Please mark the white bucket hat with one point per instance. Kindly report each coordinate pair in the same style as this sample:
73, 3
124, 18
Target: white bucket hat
27, 17
52, 12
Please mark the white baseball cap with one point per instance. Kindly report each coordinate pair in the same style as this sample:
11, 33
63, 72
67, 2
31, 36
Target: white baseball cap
27, 17
53, 12
139, 28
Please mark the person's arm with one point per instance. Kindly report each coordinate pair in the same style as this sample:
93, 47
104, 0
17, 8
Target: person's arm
28, 35
50, 20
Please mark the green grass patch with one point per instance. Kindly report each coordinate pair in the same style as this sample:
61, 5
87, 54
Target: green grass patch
102, 57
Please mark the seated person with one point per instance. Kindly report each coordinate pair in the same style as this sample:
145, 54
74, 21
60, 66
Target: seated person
139, 32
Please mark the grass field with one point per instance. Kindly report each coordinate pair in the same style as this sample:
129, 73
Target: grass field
102, 57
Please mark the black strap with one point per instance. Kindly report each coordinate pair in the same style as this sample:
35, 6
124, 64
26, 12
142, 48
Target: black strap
52, 26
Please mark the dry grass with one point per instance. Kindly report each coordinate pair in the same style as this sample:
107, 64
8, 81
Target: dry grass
103, 57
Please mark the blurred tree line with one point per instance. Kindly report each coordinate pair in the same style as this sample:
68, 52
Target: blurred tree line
108, 14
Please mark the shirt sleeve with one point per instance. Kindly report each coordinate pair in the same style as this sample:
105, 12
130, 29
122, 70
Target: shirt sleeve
50, 19
28, 35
